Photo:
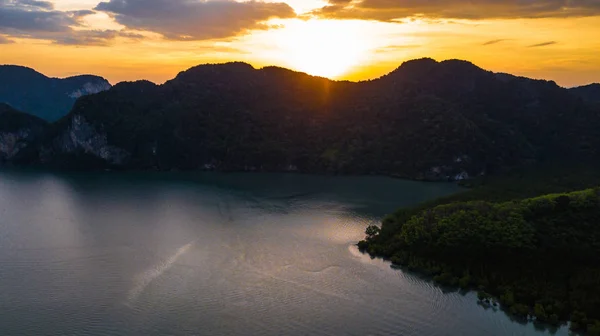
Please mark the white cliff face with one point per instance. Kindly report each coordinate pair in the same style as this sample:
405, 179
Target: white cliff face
82, 136
12, 142
462, 176
90, 88
456, 170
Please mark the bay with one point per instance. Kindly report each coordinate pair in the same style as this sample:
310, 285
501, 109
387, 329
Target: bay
216, 254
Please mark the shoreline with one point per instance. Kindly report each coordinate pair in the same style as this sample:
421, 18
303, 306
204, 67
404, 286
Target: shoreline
47, 169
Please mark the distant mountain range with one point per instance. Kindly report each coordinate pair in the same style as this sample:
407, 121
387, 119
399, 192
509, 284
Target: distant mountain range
48, 98
425, 120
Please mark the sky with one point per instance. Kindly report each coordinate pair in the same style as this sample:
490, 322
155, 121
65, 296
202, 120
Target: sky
125, 40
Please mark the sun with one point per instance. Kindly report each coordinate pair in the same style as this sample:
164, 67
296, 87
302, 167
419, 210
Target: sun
322, 48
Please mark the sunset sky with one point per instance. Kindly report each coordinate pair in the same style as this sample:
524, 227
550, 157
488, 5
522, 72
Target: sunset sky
341, 39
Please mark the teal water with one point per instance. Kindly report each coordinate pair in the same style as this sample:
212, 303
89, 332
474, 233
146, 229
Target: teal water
215, 254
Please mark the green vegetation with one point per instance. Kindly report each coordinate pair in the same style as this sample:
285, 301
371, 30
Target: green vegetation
426, 120
538, 257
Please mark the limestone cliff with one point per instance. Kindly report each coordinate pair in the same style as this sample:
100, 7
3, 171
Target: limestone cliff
17, 132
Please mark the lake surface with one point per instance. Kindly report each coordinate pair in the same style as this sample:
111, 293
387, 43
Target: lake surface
215, 254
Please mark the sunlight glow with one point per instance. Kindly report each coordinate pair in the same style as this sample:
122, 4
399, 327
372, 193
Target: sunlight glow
322, 48
349, 49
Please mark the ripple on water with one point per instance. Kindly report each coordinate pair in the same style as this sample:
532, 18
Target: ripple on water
268, 258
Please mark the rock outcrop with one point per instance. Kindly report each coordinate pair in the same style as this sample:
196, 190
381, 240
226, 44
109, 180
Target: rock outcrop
18, 131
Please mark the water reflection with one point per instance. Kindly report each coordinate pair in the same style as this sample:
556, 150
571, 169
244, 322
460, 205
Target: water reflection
215, 254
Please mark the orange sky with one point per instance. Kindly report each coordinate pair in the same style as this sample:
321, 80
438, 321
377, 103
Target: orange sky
349, 39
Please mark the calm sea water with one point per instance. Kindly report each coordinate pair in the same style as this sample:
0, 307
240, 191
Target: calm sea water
215, 254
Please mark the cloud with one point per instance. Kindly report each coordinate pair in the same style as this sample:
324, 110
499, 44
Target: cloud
493, 42
33, 16
77, 14
95, 37
392, 48
195, 20
39, 4
390, 10
40, 20
4, 40
543, 44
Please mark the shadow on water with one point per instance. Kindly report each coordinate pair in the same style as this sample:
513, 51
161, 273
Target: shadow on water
492, 306
372, 196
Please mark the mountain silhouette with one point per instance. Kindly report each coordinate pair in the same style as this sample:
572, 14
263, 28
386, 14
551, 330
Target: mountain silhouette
425, 120
590, 93
48, 98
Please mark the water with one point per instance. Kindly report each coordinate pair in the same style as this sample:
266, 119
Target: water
215, 254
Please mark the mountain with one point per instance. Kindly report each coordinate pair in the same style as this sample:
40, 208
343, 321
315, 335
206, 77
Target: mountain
590, 93
17, 131
425, 120
48, 98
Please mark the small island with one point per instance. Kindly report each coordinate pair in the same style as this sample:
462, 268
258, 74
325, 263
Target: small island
539, 258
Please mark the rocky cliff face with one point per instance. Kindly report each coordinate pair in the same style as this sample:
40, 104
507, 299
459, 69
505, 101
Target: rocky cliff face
92, 87
12, 142
80, 137
18, 131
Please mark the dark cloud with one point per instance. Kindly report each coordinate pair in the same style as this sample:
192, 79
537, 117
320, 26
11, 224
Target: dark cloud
390, 10
39, 20
195, 20
493, 42
39, 4
33, 16
543, 44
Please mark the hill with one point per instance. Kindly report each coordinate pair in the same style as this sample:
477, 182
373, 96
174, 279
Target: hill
426, 120
17, 131
48, 98
537, 257
590, 93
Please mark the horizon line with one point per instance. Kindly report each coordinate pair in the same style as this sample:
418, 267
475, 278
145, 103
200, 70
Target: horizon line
298, 72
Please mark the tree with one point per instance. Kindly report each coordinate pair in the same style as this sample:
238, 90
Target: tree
594, 328
520, 310
508, 298
372, 231
482, 295
540, 312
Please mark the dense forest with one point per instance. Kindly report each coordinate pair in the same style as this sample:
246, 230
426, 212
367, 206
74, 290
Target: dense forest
537, 257
426, 120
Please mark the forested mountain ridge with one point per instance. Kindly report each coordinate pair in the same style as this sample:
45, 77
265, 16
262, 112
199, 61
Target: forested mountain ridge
425, 120
48, 98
